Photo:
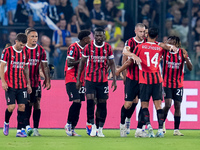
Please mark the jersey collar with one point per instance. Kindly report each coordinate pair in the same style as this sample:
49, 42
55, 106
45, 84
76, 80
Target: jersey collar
97, 45
16, 50
31, 47
138, 41
150, 42
79, 45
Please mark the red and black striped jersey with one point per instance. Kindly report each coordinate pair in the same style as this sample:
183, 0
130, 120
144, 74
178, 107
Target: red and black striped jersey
36, 55
133, 70
74, 52
150, 54
15, 60
173, 67
97, 61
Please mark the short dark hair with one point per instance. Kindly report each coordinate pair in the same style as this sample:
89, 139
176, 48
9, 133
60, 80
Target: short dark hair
83, 33
153, 32
29, 30
99, 30
21, 37
145, 26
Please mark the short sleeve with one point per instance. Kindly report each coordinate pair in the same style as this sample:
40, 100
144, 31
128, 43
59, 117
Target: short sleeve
72, 52
85, 52
110, 53
4, 56
44, 56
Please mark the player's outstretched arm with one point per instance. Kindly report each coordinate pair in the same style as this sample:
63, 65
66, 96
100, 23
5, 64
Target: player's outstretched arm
112, 67
72, 62
124, 66
26, 74
3, 81
80, 69
168, 47
46, 72
187, 59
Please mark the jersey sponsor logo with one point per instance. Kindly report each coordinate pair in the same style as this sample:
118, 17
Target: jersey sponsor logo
99, 59
17, 64
13, 56
33, 62
173, 65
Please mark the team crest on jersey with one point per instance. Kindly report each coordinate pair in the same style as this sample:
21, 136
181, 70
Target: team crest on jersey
24, 57
37, 54
104, 51
179, 57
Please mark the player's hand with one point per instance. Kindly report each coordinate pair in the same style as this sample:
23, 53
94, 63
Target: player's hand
114, 84
173, 48
5, 86
185, 54
78, 84
117, 72
46, 85
29, 89
124, 80
136, 59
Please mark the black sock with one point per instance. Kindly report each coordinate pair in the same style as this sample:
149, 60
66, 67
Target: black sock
71, 113
131, 110
123, 114
165, 117
146, 115
177, 120
140, 119
103, 113
160, 116
28, 110
7, 116
97, 116
76, 114
20, 119
90, 111
36, 117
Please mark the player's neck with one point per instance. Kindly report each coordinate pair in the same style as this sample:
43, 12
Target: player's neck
150, 40
31, 45
16, 48
138, 39
82, 44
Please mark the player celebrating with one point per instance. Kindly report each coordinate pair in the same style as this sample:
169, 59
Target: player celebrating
173, 75
131, 82
15, 81
71, 67
99, 56
37, 56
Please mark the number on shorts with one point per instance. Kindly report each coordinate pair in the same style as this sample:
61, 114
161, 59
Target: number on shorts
179, 92
81, 90
25, 94
106, 89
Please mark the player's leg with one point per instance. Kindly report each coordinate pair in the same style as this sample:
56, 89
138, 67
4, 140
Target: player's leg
74, 109
177, 96
10, 99
21, 97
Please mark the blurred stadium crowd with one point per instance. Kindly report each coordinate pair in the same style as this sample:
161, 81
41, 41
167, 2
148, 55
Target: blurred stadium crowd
71, 16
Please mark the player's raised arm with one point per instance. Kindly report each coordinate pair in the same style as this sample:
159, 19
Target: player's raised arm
187, 59
168, 47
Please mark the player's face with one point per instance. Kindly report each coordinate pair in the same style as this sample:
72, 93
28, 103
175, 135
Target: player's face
140, 32
32, 38
19, 45
87, 40
99, 37
146, 33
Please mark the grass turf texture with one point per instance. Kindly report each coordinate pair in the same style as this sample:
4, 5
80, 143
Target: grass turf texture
56, 139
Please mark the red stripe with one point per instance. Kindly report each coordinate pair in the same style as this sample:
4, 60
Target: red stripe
24, 81
15, 73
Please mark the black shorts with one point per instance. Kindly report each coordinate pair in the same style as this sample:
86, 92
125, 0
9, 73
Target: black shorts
174, 93
20, 95
36, 93
132, 89
74, 93
148, 90
99, 89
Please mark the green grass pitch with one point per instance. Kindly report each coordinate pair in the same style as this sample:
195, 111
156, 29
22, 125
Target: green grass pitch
56, 139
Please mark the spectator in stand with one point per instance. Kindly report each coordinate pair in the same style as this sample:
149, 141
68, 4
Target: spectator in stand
168, 27
54, 12
46, 42
11, 8
23, 13
177, 17
197, 62
97, 16
195, 10
118, 4
113, 34
145, 13
83, 15
11, 38
59, 41
145, 22
66, 8
3, 16
196, 30
108, 10
155, 12
74, 28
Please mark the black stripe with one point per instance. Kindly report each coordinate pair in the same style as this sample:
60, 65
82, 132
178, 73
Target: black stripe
77, 58
168, 59
153, 82
172, 75
97, 72
133, 71
9, 56
148, 82
157, 77
143, 74
136, 50
31, 72
13, 69
164, 64
89, 54
24, 60
181, 67
178, 61
18, 69
94, 64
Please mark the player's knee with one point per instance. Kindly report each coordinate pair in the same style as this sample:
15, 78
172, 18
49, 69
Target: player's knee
127, 105
11, 107
90, 96
37, 105
77, 101
21, 107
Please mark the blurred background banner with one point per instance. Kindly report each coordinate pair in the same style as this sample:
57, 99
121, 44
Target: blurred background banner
55, 106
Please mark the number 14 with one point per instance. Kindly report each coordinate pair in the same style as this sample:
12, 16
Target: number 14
154, 59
